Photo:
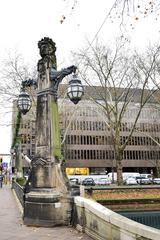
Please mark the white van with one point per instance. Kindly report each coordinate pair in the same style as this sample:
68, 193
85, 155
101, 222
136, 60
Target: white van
113, 176
130, 174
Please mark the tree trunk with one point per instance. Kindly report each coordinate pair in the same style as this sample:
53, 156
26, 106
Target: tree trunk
118, 158
158, 171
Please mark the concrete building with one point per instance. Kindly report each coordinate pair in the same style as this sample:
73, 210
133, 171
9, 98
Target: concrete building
86, 139
88, 142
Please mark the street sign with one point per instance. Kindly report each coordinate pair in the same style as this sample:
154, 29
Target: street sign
4, 164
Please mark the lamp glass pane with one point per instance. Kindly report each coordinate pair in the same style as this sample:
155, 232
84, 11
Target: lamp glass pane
74, 94
79, 94
69, 89
70, 94
74, 88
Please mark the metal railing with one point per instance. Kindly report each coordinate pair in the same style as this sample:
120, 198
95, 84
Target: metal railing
149, 218
19, 190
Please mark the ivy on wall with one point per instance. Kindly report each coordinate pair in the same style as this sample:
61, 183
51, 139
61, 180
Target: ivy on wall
17, 127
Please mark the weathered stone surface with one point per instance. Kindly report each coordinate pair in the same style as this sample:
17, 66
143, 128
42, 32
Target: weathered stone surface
48, 202
104, 224
47, 207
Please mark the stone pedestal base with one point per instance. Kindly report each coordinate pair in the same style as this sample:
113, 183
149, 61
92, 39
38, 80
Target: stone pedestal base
46, 208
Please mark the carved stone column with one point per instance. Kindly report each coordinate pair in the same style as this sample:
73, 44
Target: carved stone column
48, 201
18, 165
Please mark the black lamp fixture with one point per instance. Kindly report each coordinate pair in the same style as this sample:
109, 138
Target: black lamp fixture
24, 102
75, 89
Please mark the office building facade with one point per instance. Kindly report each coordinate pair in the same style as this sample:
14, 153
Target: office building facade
86, 138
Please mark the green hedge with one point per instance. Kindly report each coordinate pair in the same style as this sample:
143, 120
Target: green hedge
21, 181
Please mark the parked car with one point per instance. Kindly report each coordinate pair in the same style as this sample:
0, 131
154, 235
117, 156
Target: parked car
156, 180
104, 181
131, 181
143, 180
74, 181
88, 182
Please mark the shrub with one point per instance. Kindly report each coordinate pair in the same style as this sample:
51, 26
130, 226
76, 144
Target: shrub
21, 181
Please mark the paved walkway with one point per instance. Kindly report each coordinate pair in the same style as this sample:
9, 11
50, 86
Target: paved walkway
12, 228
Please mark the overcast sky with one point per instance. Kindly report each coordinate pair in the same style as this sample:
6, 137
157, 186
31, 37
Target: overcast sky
24, 22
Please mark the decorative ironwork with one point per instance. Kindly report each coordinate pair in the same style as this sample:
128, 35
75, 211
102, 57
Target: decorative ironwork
39, 161
28, 83
57, 76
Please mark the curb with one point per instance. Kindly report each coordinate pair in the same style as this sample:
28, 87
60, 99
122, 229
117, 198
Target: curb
18, 202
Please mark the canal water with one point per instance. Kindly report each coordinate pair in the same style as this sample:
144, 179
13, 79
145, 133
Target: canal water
149, 218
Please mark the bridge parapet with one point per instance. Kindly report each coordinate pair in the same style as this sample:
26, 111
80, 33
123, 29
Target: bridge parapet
19, 192
103, 224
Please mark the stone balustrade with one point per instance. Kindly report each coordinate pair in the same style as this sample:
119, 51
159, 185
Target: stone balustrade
103, 224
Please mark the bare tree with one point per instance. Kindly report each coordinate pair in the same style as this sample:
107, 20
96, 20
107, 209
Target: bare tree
125, 12
13, 72
154, 147
134, 10
125, 78
151, 136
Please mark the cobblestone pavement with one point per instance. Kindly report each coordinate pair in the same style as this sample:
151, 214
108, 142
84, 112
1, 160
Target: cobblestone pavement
12, 228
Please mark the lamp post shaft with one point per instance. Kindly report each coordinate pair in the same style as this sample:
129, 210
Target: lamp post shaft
48, 203
18, 161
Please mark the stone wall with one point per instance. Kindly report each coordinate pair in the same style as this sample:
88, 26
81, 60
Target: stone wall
103, 224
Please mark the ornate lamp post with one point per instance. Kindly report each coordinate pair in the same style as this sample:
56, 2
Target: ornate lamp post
48, 202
